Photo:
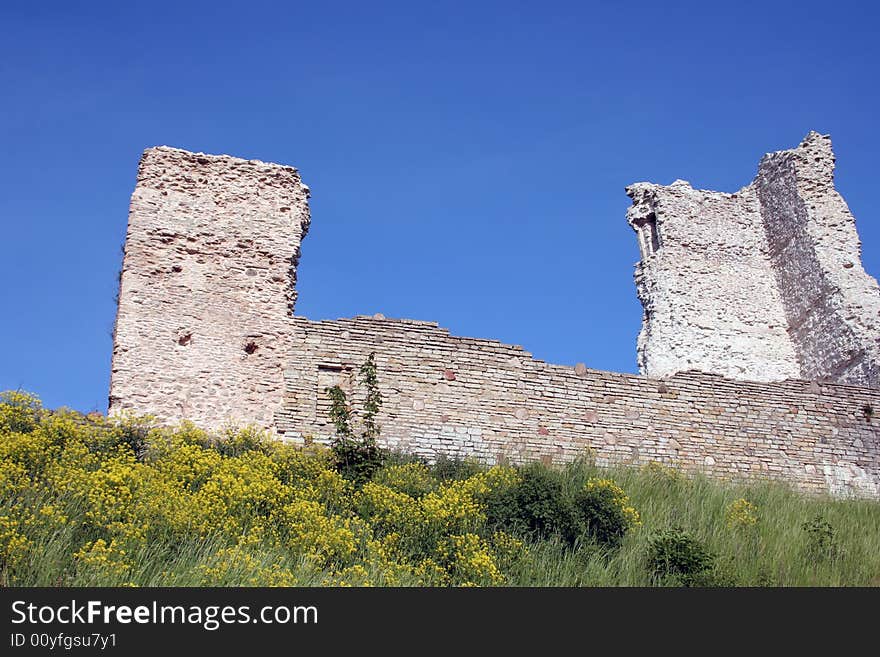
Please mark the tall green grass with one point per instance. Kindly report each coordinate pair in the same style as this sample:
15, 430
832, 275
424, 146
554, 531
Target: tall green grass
52, 464
775, 551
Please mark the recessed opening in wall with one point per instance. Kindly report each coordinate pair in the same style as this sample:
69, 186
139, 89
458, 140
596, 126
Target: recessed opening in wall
649, 238
184, 339
329, 376
250, 348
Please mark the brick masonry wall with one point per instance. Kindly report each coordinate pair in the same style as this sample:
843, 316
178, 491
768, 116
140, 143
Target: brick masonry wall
455, 396
205, 331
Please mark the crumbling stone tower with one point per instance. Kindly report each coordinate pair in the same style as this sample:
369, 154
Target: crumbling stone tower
763, 284
207, 282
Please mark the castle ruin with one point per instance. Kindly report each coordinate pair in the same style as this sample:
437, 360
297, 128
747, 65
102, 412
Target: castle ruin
764, 284
759, 348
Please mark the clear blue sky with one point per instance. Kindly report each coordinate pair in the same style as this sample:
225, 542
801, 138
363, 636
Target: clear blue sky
467, 160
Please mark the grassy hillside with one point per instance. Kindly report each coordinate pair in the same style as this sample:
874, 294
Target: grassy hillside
88, 501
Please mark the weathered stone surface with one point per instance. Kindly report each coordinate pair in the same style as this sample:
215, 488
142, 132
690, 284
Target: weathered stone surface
764, 284
831, 303
207, 287
205, 331
704, 422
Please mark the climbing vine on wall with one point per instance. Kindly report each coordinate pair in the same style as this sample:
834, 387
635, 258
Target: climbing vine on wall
356, 454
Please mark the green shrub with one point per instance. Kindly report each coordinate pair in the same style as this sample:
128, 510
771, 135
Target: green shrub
134, 432
357, 457
538, 505
356, 460
674, 556
235, 441
446, 468
603, 511
821, 539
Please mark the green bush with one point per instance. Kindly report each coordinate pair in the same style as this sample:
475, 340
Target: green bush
821, 539
446, 468
235, 441
357, 458
674, 556
603, 512
135, 433
537, 505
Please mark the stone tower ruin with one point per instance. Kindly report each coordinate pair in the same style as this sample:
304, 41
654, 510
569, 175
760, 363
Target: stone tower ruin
750, 288
764, 284
207, 284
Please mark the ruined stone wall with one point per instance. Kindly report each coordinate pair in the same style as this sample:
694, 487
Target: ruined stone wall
831, 303
205, 331
710, 298
206, 288
764, 284
452, 396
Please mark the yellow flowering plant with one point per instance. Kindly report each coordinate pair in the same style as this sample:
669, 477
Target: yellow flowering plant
119, 491
741, 514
